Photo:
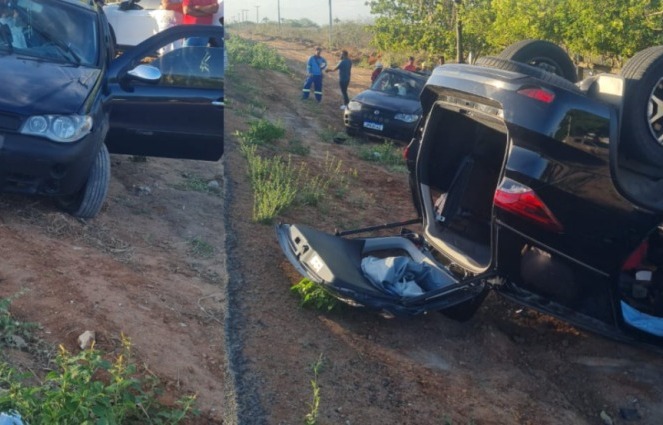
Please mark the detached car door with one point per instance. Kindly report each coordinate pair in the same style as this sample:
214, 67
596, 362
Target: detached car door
166, 99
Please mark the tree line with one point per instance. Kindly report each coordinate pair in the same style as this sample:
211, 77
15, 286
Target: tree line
607, 31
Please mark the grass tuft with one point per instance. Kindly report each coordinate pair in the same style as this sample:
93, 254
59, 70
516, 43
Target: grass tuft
313, 295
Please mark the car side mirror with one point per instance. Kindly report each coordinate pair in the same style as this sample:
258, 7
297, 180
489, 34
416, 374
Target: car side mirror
145, 73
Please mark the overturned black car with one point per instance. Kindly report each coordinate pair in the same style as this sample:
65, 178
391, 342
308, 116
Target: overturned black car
546, 190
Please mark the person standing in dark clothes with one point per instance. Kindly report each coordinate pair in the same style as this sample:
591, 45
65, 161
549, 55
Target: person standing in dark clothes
344, 68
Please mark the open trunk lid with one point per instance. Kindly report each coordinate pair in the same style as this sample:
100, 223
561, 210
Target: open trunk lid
336, 263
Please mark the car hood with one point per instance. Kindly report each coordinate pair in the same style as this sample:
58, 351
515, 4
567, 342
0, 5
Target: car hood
31, 87
380, 100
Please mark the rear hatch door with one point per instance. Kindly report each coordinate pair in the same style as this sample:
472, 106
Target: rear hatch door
336, 263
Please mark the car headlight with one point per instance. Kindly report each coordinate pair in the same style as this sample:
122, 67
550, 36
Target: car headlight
354, 105
58, 128
406, 117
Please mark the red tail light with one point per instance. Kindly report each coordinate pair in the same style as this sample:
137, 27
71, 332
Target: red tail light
637, 257
405, 152
519, 199
537, 93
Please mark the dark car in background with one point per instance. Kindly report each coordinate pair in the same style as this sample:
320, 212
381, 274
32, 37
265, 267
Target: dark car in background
67, 100
390, 109
548, 191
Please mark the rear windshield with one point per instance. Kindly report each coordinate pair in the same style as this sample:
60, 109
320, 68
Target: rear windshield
399, 84
50, 30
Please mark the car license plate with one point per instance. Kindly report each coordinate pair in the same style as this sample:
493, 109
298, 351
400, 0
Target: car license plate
373, 125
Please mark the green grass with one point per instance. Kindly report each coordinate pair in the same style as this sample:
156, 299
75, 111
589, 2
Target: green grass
83, 388
277, 183
274, 183
200, 248
313, 295
256, 55
264, 131
296, 147
311, 417
12, 332
385, 154
193, 183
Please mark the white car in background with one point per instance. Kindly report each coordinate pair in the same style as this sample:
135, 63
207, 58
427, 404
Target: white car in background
136, 20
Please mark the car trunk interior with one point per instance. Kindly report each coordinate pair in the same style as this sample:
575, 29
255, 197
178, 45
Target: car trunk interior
338, 261
459, 167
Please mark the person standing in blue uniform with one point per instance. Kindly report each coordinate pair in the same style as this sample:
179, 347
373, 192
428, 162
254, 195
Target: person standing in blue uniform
343, 67
314, 68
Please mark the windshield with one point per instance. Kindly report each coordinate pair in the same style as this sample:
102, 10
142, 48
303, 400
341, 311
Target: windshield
399, 84
49, 30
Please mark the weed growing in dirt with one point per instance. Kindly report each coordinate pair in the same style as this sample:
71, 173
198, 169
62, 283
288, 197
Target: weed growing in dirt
257, 55
274, 183
254, 109
12, 332
313, 295
200, 248
337, 176
328, 134
193, 183
87, 389
295, 146
262, 132
386, 154
311, 418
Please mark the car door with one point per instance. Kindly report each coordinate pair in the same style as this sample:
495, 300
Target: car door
166, 99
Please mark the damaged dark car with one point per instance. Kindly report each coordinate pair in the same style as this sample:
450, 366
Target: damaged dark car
545, 189
68, 100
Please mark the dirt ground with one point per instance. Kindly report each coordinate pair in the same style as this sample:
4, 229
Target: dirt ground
203, 293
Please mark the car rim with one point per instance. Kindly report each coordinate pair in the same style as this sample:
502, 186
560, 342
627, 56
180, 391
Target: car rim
547, 65
655, 112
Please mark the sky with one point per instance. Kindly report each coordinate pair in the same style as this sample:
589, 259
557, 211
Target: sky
315, 10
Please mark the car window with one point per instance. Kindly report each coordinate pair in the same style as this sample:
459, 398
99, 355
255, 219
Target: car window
398, 84
189, 66
48, 30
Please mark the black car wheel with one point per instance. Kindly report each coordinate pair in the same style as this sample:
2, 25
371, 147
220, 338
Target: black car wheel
532, 71
542, 54
87, 202
642, 119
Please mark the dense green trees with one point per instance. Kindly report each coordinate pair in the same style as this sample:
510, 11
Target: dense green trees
612, 29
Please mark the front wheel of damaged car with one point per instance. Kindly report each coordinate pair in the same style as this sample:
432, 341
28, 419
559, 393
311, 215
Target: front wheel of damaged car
642, 123
87, 202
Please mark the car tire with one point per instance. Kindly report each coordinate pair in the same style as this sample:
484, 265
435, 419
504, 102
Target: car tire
642, 117
542, 54
87, 202
532, 71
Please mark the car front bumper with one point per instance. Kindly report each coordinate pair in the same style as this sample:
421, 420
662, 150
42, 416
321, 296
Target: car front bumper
34, 165
378, 126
